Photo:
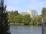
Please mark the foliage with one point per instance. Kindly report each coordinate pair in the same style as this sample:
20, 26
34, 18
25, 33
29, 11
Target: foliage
37, 20
18, 18
15, 17
44, 14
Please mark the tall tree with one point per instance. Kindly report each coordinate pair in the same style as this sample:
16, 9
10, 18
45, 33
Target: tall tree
44, 14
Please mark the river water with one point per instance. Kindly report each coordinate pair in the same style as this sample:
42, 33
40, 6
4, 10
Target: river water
25, 29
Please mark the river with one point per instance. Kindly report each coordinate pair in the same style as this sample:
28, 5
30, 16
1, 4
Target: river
25, 29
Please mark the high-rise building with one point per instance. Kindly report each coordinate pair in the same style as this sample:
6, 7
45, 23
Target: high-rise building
34, 13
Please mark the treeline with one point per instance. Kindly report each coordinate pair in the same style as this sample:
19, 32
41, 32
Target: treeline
16, 18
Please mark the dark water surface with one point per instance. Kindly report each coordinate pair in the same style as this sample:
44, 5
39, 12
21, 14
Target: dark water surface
25, 29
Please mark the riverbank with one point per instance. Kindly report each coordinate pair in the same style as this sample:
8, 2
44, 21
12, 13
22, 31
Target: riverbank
24, 24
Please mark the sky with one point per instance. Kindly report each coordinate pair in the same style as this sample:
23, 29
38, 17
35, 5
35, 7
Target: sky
23, 5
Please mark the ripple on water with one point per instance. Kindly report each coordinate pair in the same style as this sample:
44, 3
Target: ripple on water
25, 30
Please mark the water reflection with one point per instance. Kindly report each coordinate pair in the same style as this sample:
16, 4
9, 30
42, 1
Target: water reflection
25, 30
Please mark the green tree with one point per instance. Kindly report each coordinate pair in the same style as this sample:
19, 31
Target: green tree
37, 20
44, 14
27, 19
15, 17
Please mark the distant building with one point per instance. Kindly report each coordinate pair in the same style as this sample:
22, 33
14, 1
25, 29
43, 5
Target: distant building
24, 13
34, 13
29, 12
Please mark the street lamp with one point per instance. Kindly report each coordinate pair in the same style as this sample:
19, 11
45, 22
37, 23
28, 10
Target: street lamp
42, 26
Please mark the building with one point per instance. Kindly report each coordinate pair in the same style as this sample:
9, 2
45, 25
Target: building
29, 12
34, 13
24, 13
